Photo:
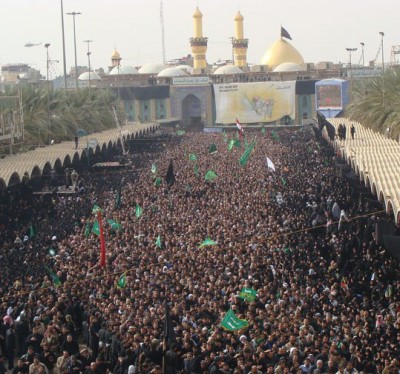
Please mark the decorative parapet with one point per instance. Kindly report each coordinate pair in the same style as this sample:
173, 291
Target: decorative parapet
198, 41
240, 43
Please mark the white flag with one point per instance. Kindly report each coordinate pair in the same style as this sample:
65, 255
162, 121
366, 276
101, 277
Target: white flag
270, 164
239, 125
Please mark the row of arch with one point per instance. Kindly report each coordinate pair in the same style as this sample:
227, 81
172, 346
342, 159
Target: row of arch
70, 159
375, 188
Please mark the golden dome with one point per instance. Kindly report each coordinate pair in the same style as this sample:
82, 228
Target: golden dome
280, 52
197, 13
239, 17
115, 55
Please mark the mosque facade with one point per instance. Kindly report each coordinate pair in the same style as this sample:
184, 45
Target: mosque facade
192, 93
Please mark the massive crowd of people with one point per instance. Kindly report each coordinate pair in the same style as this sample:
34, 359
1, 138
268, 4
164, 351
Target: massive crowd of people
300, 236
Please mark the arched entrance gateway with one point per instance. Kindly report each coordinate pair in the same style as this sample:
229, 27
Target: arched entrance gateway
191, 112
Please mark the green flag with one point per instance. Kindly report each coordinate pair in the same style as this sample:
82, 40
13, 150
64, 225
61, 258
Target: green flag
138, 211
122, 281
246, 154
212, 149
207, 241
192, 157
180, 132
248, 294
283, 180
154, 168
31, 231
158, 242
54, 277
95, 209
263, 130
326, 162
87, 230
231, 144
96, 228
237, 143
158, 182
233, 323
196, 170
114, 225
210, 175
275, 136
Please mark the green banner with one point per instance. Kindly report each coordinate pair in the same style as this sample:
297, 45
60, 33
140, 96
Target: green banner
207, 241
233, 323
248, 294
210, 175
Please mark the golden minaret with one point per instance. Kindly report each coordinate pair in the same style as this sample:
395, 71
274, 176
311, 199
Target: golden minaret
239, 43
198, 44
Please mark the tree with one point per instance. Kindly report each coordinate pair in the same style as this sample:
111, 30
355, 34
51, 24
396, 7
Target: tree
374, 107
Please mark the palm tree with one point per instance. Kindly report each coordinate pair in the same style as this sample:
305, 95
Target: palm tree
58, 114
375, 107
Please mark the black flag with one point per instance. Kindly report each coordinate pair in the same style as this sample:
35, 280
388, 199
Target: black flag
331, 130
285, 34
169, 333
170, 177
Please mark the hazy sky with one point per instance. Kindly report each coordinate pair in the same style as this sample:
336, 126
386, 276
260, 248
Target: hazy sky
321, 30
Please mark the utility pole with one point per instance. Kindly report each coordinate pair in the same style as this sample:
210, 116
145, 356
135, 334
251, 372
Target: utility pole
382, 34
63, 44
73, 14
162, 31
88, 56
350, 50
362, 52
47, 45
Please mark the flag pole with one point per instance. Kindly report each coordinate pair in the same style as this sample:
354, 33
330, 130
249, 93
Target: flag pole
102, 241
164, 366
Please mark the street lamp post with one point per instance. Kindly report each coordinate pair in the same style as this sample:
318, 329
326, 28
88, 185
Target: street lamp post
362, 53
63, 44
73, 14
350, 50
119, 67
88, 56
47, 45
382, 34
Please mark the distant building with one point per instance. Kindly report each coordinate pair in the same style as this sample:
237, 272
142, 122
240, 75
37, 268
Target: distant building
13, 73
190, 91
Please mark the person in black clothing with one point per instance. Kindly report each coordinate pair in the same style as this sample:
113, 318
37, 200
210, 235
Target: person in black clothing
173, 360
22, 331
85, 357
48, 357
27, 358
34, 340
3, 369
21, 368
75, 366
10, 346
352, 131
92, 369
76, 139
70, 345
154, 353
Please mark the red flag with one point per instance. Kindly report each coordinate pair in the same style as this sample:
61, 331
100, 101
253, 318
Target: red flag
240, 128
102, 241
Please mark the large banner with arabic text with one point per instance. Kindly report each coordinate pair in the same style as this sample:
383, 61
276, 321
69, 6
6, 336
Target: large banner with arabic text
254, 102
